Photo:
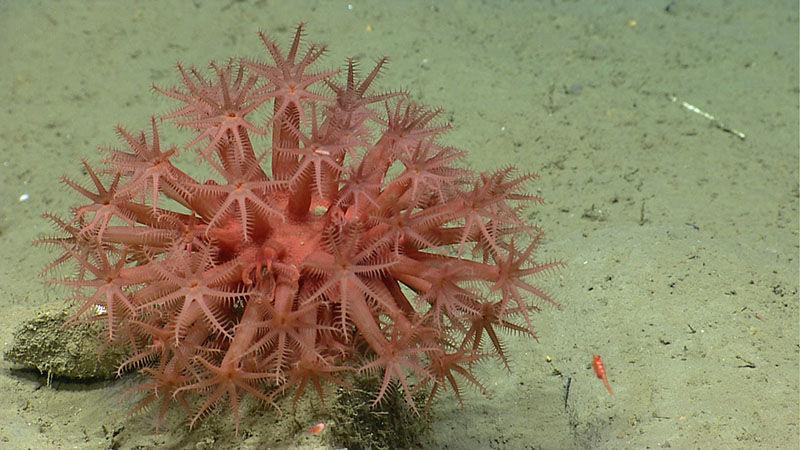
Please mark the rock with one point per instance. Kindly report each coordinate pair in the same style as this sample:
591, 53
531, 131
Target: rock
45, 344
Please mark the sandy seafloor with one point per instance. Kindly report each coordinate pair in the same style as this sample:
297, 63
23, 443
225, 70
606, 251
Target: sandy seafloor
681, 238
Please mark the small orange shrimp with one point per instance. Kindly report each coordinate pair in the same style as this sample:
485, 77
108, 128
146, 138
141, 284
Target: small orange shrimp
600, 370
318, 428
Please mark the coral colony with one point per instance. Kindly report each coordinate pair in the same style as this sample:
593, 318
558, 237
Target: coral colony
355, 242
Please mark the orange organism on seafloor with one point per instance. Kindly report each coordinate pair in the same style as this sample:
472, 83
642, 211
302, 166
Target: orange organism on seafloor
600, 370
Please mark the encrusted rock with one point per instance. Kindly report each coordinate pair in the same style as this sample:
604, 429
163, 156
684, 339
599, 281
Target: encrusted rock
44, 344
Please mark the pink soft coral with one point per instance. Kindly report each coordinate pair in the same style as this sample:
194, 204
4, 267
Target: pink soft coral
256, 282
